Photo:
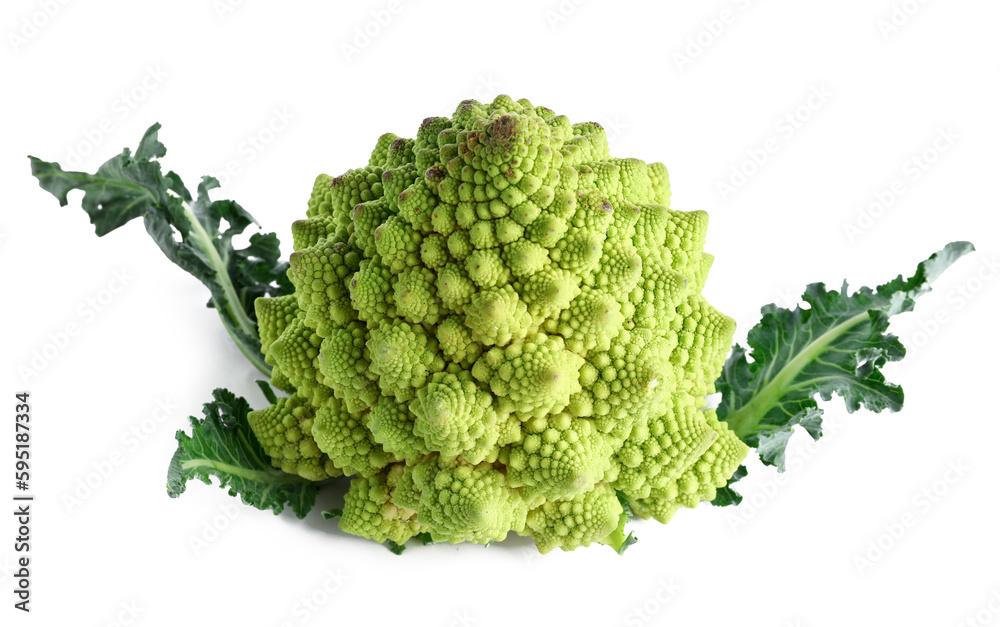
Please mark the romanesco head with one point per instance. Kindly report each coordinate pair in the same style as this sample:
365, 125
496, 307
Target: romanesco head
497, 326
285, 431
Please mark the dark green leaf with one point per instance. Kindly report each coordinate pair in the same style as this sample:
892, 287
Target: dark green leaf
836, 345
397, 549
771, 444
332, 513
222, 445
189, 230
629, 541
727, 495
619, 540
268, 391
425, 538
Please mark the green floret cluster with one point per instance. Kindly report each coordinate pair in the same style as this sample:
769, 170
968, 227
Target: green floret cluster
497, 326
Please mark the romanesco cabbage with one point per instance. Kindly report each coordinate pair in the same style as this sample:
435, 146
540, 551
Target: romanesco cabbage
497, 326
493, 327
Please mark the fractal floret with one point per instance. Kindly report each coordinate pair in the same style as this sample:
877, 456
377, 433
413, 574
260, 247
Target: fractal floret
497, 326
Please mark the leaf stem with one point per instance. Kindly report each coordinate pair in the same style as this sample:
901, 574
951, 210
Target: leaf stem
746, 419
246, 325
250, 352
263, 476
205, 243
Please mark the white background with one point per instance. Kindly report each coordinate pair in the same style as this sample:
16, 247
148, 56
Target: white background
700, 86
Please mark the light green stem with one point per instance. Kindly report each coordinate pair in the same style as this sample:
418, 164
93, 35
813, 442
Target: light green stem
746, 419
246, 325
263, 476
